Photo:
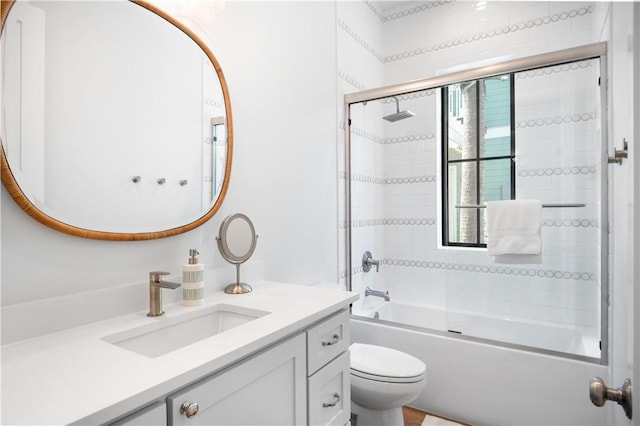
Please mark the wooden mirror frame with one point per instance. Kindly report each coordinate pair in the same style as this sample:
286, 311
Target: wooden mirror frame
25, 204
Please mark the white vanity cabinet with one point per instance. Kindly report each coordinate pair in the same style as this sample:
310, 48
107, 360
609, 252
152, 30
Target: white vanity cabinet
288, 367
156, 414
328, 371
304, 380
267, 389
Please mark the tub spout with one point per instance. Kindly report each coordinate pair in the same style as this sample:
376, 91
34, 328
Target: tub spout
371, 292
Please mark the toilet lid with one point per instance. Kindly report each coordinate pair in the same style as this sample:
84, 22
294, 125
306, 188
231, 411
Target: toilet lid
386, 364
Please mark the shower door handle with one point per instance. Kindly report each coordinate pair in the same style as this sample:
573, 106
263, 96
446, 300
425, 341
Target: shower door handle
600, 393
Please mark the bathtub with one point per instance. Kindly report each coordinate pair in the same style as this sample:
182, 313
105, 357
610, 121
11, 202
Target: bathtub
580, 341
479, 382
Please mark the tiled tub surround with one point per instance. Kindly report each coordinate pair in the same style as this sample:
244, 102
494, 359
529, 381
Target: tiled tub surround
395, 207
371, 39
425, 42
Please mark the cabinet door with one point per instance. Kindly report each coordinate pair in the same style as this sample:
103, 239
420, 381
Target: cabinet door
330, 393
267, 389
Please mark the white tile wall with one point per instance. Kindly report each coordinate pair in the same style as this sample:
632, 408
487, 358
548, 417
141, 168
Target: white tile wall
557, 133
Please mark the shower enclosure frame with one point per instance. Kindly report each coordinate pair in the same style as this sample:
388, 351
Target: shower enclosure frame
590, 51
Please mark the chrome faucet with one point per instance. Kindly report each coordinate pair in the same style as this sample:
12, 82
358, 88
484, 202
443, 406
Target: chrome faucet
368, 261
384, 294
155, 292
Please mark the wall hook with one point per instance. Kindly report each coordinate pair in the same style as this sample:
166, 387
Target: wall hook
136, 179
161, 181
620, 154
183, 182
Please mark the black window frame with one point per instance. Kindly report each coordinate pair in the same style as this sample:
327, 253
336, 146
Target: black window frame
478, 160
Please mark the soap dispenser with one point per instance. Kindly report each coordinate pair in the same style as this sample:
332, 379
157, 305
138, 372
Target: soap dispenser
193, 281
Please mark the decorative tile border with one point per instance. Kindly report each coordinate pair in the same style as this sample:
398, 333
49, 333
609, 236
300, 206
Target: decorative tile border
408, 138
358, 39
363, 223
364, 134
574, 66
403, 13
417, 9
558, 171
410, 221
546, 223
389, 141
410, 96
355, 177
409, 179
549, 121
524, 25
366, 223
363, 178
491, 269
485, 269
374, 9
354, 271
351, 80
571, 223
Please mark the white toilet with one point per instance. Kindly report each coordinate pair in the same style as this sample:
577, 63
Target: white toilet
382, 381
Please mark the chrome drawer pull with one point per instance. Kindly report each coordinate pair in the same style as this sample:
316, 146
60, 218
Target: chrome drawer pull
336, 399
334, 339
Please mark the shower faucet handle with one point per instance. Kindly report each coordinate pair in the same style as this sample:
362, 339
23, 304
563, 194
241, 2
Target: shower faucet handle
368, 261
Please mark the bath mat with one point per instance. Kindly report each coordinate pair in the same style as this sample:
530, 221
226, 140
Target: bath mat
437, 421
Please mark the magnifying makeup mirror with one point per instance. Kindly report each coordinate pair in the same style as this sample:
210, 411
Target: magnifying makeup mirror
237, 242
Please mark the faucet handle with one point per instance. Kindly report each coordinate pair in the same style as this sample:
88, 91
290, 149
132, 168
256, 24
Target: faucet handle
368, 261
156, 276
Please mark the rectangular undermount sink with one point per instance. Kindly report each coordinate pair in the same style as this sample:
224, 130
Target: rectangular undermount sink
172, 333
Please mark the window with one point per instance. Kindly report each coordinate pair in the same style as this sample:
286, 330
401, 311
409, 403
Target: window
478, 155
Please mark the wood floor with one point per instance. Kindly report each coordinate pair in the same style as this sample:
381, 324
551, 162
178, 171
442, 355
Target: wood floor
415, 417
412, 417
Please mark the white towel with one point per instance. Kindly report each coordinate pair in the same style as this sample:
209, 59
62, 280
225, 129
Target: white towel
513, 227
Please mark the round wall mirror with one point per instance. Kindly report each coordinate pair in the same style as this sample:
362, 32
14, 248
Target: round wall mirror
124, 133
237, 241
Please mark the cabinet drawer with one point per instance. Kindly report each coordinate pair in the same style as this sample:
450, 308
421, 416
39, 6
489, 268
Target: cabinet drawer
327, 340
330, 393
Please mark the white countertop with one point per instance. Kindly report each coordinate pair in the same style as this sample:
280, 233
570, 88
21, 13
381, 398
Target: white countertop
75, 377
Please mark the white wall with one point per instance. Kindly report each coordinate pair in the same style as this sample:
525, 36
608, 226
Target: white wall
279, 62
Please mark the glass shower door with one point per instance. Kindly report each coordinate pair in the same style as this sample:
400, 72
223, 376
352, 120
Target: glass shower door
552, 301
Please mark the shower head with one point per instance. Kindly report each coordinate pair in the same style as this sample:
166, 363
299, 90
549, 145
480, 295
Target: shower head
398, 115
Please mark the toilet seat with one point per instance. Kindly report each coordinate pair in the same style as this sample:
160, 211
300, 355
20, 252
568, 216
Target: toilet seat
384, 364
386, 379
